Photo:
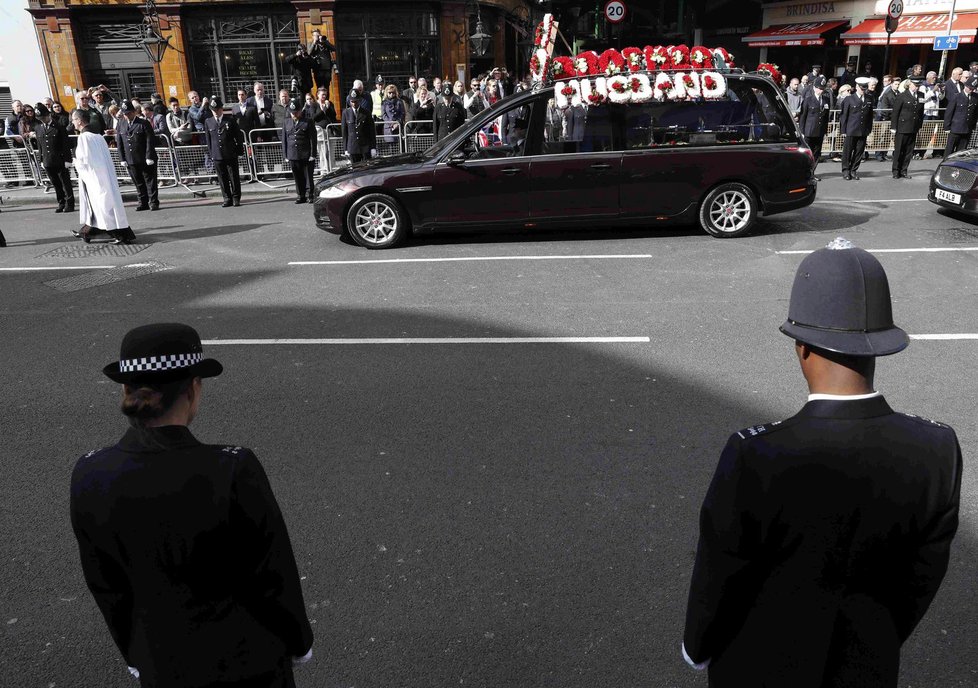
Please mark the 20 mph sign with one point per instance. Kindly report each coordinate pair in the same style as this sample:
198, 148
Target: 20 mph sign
614, 11
895, 9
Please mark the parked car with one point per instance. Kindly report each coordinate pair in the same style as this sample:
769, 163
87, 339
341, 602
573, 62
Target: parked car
953, 184
719, 162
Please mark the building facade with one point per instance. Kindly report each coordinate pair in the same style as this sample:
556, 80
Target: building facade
216, 46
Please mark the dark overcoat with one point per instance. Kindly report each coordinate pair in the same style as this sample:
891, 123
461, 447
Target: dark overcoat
136, 141
813, 118
298, 139
225, 142
959, 115
52, 140
907, 116
357, 127
856, 118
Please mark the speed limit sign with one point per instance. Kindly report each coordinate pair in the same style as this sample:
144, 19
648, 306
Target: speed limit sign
895, 9
614, 11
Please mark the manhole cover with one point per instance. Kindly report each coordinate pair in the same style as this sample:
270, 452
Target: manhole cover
95, 250
100, 278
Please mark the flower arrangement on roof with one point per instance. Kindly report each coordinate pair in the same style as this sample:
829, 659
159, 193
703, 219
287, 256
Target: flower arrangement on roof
655, 57
586, 63
678, 57
611, 62
772, 70
701, 57
724, 56
562, 67
634, 59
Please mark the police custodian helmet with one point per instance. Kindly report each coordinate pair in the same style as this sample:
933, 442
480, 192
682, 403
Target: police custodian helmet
840, 302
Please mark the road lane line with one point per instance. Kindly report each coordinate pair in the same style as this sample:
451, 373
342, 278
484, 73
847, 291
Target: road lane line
431, 340
945, 337
467, 258
882, 200
943, 249
61, 267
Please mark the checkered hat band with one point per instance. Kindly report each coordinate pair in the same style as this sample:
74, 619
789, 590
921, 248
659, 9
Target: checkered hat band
156, 363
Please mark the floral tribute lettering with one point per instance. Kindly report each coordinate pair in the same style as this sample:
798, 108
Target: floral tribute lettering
701, 57
772, 70
586, 63
634, 59
655, 57
539, 63
678, 57
562, 67
611, 62
567, 93
638, 88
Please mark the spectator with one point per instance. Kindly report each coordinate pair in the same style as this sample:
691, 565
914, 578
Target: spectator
27, 124
932, 96
848, 77
321, 51
833, 90
424, 109
280, 111
393, 114
111, 120
804, 84
422, 83
59, 115
916, 73
302, 67
554, 123
475, 100
492, 92
178, 124
884, 106
263, 106
953, 84
377, 99
94, 123
501, 88
245, 115
574, 118
436, 86
794, 97
198, 111
158, 122
101, 102
408, 93
868, 70
324, 113
159, 107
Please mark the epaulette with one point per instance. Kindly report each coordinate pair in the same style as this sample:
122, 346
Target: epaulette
926, 420
755, 430
232, 450
92, 453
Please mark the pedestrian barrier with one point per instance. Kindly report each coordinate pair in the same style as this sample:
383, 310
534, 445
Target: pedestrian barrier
419, 135
388, 145
17, 163
194, 164
335, 147
930, 138
268, 156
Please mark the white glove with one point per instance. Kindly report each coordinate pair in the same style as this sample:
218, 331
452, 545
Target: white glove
313, 159
373, 152
892, 131
134, 671
296, 661
150, 162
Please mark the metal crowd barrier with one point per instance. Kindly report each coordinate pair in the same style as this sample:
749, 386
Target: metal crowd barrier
17, 162
418, 135
335, 147
389, 145
194, 165
267, 156
930, 138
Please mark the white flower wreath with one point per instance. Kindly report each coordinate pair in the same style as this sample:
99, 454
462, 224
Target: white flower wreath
548, 20
543, 62
719, 89
679, 88
616, 96
562, 100
693, 91
644, 94
668, 93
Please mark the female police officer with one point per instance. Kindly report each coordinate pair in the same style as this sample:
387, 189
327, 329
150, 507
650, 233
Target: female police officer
182, 544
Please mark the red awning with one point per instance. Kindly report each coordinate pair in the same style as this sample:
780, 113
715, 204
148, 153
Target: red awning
791, 34
914, 30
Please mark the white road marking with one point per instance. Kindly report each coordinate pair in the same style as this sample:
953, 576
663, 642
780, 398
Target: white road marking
942, 249
432, 340
61, 267
946, 337
882, 200
467, 258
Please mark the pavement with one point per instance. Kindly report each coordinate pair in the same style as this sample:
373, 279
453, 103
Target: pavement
490, 448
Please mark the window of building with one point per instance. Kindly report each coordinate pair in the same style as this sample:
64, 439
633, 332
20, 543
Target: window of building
234, 51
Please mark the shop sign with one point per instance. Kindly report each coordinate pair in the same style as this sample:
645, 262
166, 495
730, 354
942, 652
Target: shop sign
783, 13
927, 7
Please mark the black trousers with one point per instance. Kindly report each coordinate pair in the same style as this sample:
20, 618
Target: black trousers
852, 153
955, 142
61, 181
815, 143
229, 179
302, 173
323, 78
902, 153
144, 177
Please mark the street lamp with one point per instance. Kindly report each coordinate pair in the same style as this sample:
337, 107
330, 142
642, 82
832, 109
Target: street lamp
480, 40
152, 42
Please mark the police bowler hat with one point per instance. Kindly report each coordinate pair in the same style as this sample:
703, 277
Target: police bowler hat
840, 302
160, 353
126, 106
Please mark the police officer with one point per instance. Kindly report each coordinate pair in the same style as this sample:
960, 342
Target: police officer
824, 537
856, 122
52, 141
905, 122
225, 143
136, 142
814, 118
449, 111
183, 544
299, 148
959, 117
357, 130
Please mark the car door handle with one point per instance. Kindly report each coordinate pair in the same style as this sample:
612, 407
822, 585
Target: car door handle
601, 166
510, 171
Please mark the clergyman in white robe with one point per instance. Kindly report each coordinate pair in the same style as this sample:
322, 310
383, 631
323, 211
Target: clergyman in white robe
101, 205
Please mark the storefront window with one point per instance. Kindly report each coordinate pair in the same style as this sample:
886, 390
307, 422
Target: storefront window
390, 41
235, 51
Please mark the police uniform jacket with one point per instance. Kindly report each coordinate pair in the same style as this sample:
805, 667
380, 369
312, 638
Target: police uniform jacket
814, 114
187, 555
823, 539
298, 139
959, 115
52, 139
357, 129
856, 118
907, 116
448, 116
136, 141
224, 139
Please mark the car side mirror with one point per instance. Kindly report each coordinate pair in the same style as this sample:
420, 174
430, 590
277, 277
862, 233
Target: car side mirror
457, 158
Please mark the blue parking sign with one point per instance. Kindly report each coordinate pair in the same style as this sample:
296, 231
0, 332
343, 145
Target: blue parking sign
946, 42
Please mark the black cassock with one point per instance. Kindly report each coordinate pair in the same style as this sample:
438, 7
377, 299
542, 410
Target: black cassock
186, 552
823, 539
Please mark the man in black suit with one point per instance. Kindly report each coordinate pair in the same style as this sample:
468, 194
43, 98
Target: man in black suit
183, 544
263, 106
905, 122
856, 122
299, 148
225, 143
55, 150
959, 117
825, 537
358, 131
323, 65
814, 118
137, 147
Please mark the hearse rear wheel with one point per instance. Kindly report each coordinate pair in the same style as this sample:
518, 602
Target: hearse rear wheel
376, 221
728, 211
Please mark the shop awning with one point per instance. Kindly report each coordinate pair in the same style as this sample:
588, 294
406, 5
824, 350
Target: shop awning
783, 35
914, 30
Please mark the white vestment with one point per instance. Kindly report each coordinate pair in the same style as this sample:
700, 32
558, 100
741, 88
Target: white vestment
98, 189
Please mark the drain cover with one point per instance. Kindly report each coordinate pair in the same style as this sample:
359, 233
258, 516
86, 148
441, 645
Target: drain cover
100, 278
95, 250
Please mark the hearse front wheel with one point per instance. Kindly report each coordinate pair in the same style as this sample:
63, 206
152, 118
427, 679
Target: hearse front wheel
376, 221
728, 211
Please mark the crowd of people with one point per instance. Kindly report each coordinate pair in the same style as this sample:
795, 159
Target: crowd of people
859, 99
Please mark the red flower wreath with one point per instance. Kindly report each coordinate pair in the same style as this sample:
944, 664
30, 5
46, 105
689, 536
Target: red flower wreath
567, 91
611, 63
595, 98
678, 57
633, 58
664, 86
538, 35
688, 81
727, 57
586, 63
619, 87
701, 57
655, 58
636, 85
709, 82
534, 64
771, 69
562, 67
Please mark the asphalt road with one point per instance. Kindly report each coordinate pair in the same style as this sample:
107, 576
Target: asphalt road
474, 514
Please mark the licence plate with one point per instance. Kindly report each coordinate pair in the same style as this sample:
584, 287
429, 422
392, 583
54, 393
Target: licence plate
948, 196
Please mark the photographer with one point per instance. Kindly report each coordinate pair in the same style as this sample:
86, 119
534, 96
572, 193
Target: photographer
302, 67
321, 52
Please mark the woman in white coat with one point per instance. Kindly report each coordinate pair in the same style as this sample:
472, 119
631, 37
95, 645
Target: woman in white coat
101, 208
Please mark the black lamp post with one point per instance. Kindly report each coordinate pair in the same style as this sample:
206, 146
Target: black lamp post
480, 40
152, 42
